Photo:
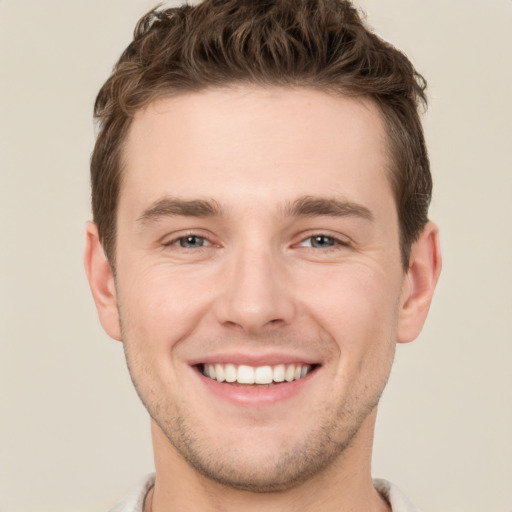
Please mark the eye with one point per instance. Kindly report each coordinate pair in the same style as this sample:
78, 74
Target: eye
321, 242
190, 242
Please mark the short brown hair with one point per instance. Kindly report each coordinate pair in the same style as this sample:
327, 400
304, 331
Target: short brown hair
319, 44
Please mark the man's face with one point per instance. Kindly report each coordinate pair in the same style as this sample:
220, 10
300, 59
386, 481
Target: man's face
258, 235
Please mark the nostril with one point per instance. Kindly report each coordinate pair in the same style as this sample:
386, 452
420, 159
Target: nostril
276, 322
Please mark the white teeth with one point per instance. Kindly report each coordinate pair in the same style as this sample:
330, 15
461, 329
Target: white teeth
278, 373
219, 373
263, 375
244, 374
230, 373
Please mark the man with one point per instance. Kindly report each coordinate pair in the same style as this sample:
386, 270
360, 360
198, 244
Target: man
260, 188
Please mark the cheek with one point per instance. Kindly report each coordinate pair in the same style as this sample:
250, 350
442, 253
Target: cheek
159, 306
357, 306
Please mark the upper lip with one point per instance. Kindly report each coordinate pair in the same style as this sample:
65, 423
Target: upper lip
255, 360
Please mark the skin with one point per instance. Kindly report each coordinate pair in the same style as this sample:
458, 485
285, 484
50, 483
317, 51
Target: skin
256, 283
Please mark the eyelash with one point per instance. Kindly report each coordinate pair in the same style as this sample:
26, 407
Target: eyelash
178, 241
334, 242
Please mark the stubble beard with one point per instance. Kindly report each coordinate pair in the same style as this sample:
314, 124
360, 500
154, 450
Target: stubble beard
318, 450
308, 458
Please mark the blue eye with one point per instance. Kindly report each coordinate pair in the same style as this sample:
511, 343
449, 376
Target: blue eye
322, 241
191, 242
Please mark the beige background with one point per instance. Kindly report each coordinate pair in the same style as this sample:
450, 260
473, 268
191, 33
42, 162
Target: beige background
73, 435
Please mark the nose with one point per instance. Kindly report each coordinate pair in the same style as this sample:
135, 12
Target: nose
257, 293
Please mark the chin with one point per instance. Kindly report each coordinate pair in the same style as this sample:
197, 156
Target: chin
261, 473
248, 465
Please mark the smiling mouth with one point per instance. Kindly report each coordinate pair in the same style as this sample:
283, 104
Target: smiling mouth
260, 375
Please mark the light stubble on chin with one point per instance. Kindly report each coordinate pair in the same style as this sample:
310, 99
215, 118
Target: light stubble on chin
316, 452
325, 444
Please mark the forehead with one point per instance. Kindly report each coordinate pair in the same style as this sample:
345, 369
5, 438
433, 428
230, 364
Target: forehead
243, 141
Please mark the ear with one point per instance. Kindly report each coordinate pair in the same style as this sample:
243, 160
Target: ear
419, 284
101, 281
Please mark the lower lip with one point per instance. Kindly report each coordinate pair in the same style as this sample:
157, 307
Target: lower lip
256, 396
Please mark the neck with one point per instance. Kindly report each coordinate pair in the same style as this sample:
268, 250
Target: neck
345, 485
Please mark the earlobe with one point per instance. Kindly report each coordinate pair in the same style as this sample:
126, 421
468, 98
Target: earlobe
421, 280
101, 281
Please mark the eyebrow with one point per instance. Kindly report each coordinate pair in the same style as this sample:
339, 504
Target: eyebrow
172, 207
309, 206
